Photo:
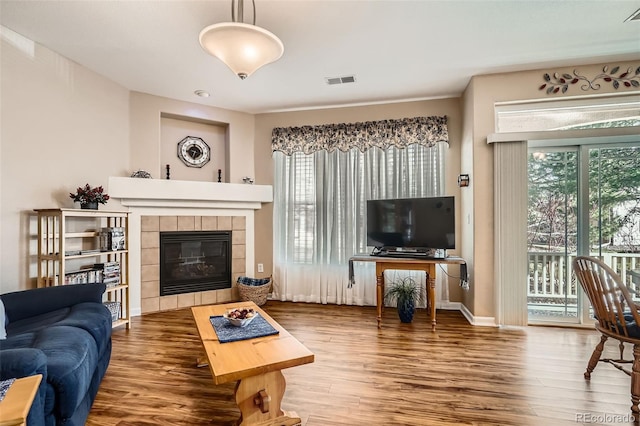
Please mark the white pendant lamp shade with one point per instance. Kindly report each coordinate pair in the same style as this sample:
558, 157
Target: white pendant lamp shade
242, 47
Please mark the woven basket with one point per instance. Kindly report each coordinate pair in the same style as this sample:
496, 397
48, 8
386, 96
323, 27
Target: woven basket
254, 293
114, 308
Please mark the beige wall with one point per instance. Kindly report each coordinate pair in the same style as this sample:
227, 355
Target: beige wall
61, 126
481, 95
146, 147
264, 166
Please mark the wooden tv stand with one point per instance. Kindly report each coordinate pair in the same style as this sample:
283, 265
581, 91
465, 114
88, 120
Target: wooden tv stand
408, 264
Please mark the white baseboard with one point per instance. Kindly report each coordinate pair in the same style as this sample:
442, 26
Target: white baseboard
473, 320
479, 321
449, 306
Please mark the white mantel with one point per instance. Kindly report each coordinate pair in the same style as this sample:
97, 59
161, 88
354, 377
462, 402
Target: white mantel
149, 197
137, 192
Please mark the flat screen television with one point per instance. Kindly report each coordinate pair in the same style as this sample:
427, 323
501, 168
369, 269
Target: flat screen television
414, 223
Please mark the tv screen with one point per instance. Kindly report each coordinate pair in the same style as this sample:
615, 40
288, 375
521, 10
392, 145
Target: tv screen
412, 223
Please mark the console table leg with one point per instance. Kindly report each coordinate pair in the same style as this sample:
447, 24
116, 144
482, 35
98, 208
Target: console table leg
431, 297
380, 296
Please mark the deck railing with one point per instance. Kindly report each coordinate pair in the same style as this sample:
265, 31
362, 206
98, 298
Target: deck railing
551, 279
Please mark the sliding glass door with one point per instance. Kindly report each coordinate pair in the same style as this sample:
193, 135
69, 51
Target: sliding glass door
552, 233
582, 200
613, 227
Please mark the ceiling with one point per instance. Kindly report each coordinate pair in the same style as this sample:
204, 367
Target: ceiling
397, 50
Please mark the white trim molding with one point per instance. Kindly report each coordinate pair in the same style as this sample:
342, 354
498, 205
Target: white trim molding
137, 192
478, 321
614, 134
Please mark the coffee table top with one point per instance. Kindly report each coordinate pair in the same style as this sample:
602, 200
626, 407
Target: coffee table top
17, 402
236, 360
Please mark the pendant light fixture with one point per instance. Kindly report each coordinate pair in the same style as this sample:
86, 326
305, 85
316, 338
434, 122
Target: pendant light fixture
242, 47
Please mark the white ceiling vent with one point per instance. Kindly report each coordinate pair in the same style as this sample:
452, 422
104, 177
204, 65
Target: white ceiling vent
340, 80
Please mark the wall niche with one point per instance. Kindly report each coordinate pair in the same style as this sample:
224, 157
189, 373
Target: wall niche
173, 129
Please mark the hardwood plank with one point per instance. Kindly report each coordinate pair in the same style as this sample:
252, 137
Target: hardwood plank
402, 374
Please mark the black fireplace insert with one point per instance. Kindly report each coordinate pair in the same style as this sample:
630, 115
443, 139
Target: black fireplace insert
192, 261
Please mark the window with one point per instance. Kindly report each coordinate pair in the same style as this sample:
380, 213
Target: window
325, 192
568, 115
323, 177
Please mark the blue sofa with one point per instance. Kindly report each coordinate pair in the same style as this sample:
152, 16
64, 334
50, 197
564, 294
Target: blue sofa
63, 333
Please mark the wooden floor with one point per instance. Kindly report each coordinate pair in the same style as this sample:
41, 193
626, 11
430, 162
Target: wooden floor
401, 375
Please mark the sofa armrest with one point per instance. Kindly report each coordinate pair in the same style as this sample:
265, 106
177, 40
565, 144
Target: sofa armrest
29, 303
22, 362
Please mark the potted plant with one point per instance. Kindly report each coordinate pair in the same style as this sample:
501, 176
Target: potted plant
406, 293
89, 197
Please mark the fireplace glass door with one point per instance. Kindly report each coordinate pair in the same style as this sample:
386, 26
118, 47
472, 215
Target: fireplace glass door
194, 261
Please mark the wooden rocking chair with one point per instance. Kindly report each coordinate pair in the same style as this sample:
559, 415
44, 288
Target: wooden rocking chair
617, 317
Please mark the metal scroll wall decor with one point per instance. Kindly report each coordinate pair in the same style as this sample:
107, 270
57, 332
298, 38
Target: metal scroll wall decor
618, 77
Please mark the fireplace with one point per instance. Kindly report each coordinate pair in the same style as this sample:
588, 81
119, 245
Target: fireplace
193, 261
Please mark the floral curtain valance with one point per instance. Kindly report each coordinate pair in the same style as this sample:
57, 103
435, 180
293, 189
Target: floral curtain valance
383, 134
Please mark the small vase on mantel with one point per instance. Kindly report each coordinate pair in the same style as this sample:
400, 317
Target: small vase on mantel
92, 205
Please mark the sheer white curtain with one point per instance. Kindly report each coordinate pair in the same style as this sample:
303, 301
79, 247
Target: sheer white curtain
320, 221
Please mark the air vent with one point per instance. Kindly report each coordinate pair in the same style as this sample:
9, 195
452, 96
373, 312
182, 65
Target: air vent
340, 80
635, 16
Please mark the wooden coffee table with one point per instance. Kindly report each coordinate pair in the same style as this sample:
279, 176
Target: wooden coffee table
16, 404
255, 364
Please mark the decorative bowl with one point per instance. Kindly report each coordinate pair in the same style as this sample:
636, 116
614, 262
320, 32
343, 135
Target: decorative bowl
240, 317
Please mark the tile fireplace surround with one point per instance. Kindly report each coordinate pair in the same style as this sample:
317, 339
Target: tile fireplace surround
168, 205
151, 226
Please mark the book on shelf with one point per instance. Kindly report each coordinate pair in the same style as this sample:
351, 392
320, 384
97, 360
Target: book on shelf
90, 251
110, 276
105, 272
109, 273
108, 268
112, 238
81, 252
107, 265
111, 279
112, 283
82, 276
